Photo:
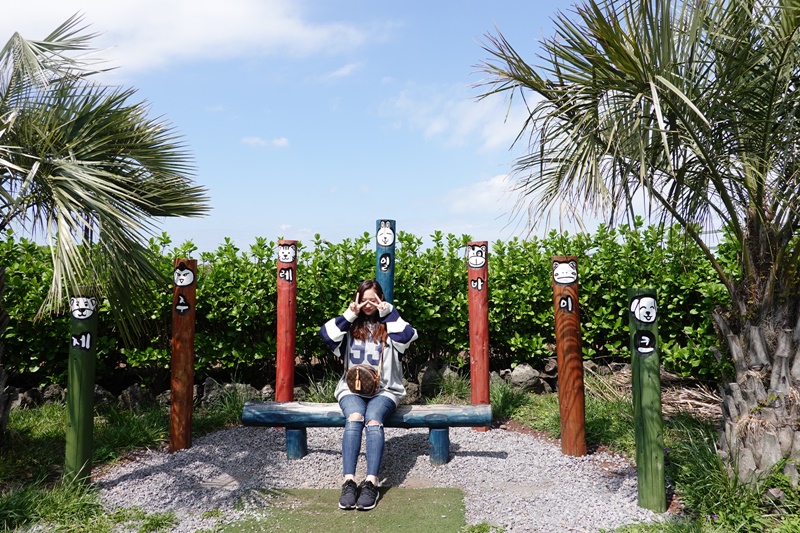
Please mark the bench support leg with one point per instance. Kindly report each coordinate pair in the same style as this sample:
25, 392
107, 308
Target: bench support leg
439, 439
296, 443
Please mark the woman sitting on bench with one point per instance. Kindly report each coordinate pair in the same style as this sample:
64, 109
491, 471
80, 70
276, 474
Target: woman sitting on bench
369, 332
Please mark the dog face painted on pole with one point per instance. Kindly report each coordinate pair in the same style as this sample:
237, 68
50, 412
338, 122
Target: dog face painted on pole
644, 309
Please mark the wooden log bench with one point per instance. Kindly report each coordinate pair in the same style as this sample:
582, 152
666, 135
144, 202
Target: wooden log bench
297, 416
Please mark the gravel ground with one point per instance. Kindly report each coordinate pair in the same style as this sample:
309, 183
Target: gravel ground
509, 478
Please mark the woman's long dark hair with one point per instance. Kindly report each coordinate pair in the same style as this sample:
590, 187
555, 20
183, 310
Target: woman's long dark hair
368, 327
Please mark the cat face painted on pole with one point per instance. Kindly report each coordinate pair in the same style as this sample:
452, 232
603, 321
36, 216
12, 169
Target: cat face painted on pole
287, 253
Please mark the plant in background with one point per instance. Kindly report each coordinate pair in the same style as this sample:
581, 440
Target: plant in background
236, 318
82, 164
31, 346
453, 389
690, 109
88, 169
236, 313
321, 391
505, 399
431, 290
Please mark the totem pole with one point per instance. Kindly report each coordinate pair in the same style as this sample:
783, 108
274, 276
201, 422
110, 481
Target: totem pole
80, 387
647, 399
182, 380
571, 399
477, 266
384, 257
287, 320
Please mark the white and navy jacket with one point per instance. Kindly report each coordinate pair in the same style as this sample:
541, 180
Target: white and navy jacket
336, 334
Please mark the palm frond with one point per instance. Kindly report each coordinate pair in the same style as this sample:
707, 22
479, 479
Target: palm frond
90, 169
691, 107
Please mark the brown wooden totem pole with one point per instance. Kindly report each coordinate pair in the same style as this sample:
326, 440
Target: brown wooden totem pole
571, 401
183, 325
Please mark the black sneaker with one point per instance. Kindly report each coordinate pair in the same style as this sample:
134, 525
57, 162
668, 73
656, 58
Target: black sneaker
369, 496
347, 500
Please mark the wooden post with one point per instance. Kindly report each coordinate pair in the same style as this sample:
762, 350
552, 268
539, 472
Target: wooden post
182, 381
287, 320
647, 418
80, 387
384, 257
477, 263
571, 399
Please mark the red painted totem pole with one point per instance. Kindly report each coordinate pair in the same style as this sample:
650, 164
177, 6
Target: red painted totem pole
287, 320
477, 263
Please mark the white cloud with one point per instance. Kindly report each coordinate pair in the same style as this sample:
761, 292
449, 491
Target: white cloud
278, 142
456, 118
490, 196
342, 72
149, 34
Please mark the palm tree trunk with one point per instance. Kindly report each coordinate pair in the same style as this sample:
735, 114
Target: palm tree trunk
761, 409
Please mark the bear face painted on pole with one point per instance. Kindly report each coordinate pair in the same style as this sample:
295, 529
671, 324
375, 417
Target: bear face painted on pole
81, 307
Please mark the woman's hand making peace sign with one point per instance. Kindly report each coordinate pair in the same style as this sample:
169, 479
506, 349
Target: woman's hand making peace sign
370, 304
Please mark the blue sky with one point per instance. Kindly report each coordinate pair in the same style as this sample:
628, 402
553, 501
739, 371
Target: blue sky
320, 116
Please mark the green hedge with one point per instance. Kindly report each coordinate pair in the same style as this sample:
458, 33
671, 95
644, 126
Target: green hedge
236, 300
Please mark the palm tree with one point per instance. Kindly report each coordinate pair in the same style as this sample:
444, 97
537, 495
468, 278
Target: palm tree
691, 106
88, 170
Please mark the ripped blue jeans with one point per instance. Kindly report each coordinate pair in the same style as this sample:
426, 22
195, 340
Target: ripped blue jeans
376, 408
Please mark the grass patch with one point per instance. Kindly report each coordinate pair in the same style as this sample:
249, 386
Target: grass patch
72, 506
65, 502
118, 432
436, 510
506, 399
714, 502
321, 391
540, 412
609, 418
453, 389
157, 522
225, 412
33, 491
33, 447
673, 526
